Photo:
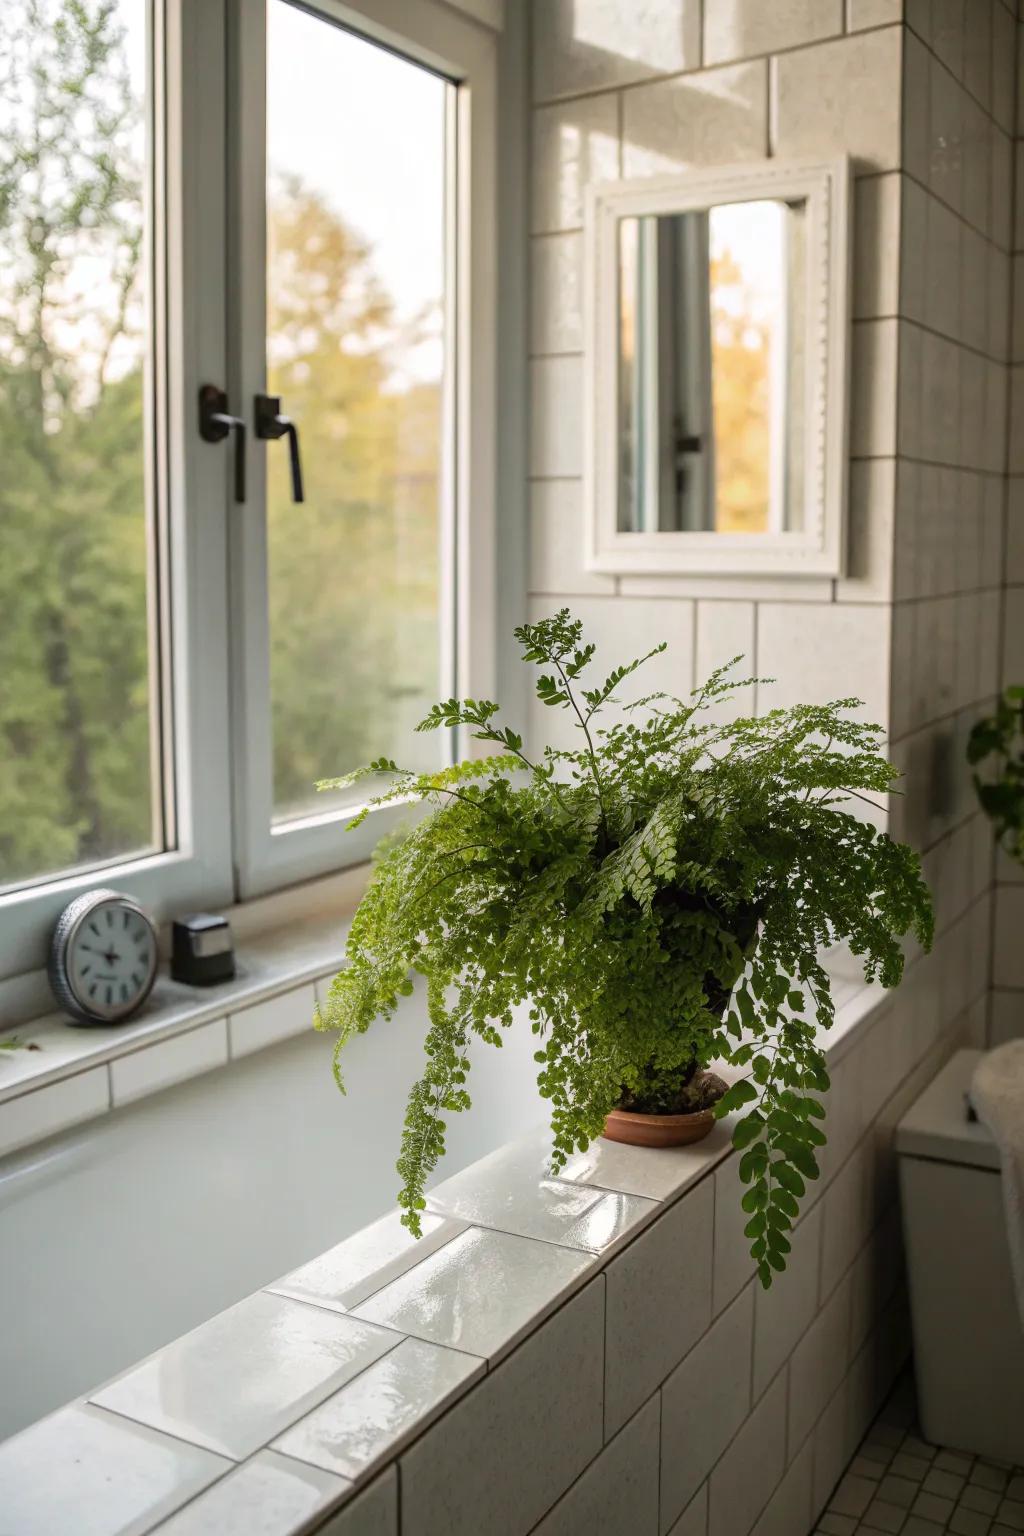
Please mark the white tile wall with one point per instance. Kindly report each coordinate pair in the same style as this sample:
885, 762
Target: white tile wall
618, 1493
659, 1303
744, 1479
172, 1061
48, 1110
503, 1456
584, 45
573, 144
279, 1018
710, 118
842, 97
738, 29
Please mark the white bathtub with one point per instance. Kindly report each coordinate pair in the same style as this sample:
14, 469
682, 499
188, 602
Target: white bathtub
119, 1236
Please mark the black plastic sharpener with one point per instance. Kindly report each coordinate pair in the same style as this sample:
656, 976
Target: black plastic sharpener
202, 950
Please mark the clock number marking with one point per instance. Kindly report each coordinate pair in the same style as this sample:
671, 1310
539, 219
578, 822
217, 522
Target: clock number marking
92, 990
95, 929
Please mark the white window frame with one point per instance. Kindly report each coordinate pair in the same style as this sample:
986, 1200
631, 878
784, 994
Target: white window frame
211, 573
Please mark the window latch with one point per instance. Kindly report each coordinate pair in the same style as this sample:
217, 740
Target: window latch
270, 425
215, 424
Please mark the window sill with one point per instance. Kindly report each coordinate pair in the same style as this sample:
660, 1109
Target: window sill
285, 948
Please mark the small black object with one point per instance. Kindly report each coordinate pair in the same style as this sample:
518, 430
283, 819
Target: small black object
215, 424
270, 426
202, 952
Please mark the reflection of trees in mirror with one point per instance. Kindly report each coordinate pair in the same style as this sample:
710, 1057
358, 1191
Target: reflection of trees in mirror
740, 383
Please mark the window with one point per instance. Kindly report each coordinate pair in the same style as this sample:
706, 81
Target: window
293, 203
80, 775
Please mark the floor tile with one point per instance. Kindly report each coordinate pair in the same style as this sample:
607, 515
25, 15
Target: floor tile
948, 1484
953, 1461
1015, 1490
898, 1490
931, 1506
863, 1466
96, 1474
266, 1495
969, 1522
346, 1275
985, 1476
372, 1416
984, 1499
480, 1293
916, 1526
913, 1467
853, 1495
510, 1191
912, 1446
1011, 1513
240, 1379
837, 1525
884, 1517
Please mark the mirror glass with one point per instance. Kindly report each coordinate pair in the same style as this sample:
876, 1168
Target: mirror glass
711, 343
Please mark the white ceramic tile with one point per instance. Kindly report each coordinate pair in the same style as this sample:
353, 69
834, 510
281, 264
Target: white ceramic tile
621, 628
830, 1450
789, 1509
732, 1264
656, 1174
279, 1018
618, 1493
876, 259
841, 97
820, 653
1008, 954
947, 34
93, 1474
975, 275
1004, 42
910, 390
556, 541
369, 1259
372, 1513
267, 1495
739, 29
588, 45
725, 631
874, 1276
942, 268
916, 107
861, 14
511, 1190
1013, 637
574, 143
870, 520
499, 1460
237, 1381
1016, 462
703, 1404
1001, 180
709, 118
744, 1479
168, 1062
481, 1292
375, 1415
819, 1363
556, 416
873, 377
786, 1311
659, 1302
694, 1520
1015, 528
42, 1112
945, 135
977, 73
556, 293
978, 165
847, 1218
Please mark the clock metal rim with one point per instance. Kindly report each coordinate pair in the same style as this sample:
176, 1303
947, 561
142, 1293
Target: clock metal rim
64, 935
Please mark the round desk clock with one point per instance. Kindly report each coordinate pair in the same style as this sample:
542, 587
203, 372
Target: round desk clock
103, 958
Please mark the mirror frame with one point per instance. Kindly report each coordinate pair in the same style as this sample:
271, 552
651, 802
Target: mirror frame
819, 549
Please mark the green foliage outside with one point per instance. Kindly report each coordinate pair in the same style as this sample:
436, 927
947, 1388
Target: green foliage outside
659, 897
998, 740
76, 780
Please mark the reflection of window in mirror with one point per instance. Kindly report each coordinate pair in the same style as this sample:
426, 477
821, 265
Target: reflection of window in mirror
711, 322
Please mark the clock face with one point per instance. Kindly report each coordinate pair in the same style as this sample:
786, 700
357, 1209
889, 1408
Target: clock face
109, 959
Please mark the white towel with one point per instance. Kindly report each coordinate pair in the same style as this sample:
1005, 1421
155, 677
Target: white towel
997, 1094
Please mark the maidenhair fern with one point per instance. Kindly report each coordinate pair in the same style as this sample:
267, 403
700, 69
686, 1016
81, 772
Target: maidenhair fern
657, 900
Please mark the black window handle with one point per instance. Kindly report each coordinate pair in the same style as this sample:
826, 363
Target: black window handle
270, 425
215, 424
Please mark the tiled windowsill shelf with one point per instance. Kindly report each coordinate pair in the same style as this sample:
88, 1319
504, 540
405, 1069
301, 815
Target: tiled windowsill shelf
285, 1414
71, 1074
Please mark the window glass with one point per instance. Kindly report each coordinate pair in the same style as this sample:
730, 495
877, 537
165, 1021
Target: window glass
357, 209
78, 782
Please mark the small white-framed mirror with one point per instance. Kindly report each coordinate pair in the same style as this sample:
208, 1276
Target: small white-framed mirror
717, 354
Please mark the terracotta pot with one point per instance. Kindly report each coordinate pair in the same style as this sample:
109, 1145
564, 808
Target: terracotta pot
658, 1130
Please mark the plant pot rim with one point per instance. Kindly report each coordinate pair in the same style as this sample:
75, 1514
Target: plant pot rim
636, 1117
639, 1130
